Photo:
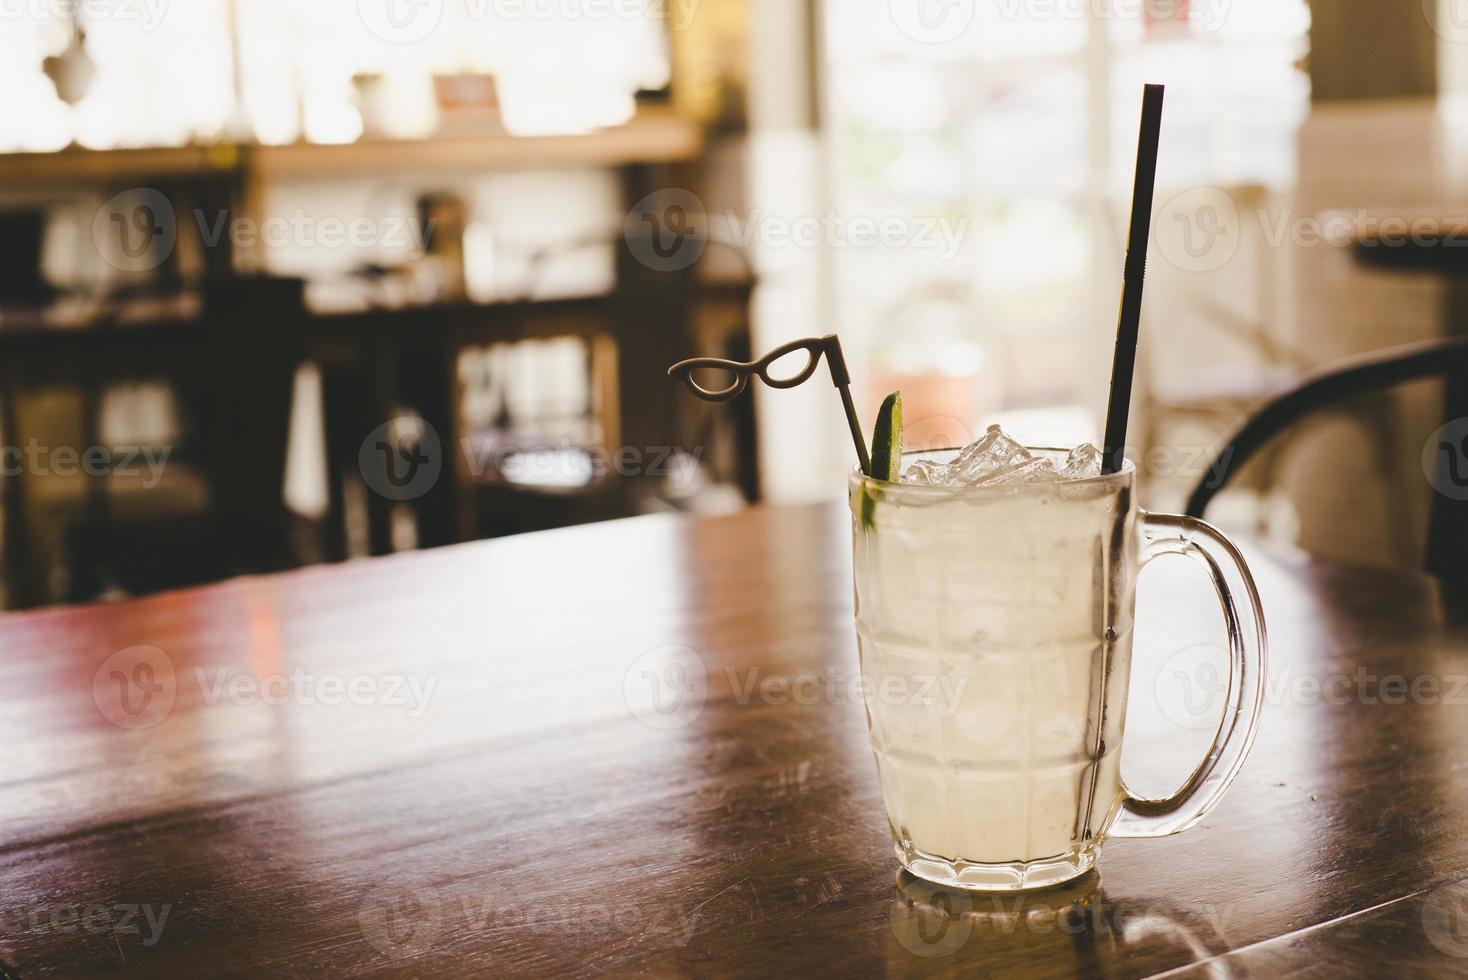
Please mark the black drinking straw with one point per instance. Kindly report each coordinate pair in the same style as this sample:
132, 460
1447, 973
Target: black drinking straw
1124, 362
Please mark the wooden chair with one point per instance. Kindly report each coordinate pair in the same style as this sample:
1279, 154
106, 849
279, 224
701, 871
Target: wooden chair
1447, 550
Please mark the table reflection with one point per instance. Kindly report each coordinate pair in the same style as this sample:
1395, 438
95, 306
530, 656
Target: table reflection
1070, 930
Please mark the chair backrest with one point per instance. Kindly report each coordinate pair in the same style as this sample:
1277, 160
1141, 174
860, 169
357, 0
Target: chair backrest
1447, 552
252, 346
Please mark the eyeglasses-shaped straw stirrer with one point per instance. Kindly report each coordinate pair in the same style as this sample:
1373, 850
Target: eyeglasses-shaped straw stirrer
815, 347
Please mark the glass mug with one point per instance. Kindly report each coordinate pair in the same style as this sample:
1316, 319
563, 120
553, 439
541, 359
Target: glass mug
1015, 605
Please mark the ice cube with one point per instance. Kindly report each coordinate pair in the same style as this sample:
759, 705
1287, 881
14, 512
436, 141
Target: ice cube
1036, 469
994, 459
1083, 463
927, 472
992, 451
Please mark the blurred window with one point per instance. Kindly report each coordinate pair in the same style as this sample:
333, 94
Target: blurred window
1008, 127
163, 73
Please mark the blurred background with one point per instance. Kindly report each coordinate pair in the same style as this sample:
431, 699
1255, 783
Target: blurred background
283, 283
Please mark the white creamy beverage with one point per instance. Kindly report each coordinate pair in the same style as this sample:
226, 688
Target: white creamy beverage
995, 591
1007, 576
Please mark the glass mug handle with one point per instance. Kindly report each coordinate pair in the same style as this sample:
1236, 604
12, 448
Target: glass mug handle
1166, 534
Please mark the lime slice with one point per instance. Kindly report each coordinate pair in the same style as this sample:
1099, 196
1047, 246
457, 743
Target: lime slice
887, 440
886, 453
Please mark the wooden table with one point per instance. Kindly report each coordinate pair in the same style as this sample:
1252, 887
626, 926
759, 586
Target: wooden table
526, 810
